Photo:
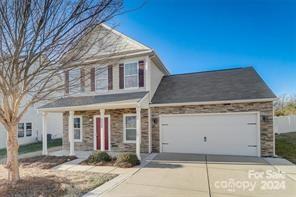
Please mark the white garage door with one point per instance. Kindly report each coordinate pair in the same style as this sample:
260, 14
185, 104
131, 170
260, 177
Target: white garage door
228, 134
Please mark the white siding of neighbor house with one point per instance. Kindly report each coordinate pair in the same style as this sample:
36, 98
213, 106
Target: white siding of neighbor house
285, 124
55, 125
156, 76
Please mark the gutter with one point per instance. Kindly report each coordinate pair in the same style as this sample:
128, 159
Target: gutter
214, 102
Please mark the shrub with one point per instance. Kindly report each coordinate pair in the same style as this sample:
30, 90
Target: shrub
126, 160
99, 156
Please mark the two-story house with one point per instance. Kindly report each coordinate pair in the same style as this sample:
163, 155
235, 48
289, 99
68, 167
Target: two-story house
131, 103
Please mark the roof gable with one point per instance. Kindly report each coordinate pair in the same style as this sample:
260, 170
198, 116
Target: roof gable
108, 41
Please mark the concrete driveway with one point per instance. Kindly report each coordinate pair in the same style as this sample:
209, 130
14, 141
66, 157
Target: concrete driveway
175, 175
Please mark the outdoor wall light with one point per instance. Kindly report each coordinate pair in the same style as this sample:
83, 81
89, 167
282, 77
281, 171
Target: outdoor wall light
264, 118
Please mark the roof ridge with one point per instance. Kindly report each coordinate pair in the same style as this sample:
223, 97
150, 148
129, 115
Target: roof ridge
218, 70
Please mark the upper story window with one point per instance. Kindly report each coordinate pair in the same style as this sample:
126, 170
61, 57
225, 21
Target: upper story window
131, 75
102, 78
74, 80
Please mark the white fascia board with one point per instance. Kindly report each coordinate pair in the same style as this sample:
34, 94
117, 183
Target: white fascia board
159, 63
214, 102
90, 107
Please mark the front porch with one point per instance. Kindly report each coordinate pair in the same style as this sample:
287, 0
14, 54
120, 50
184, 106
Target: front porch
124, 128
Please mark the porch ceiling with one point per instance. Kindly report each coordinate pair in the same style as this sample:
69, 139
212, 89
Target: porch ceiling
109, 101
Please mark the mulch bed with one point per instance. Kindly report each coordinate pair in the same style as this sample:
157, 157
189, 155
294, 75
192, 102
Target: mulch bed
44, 162
53, 183
103, 163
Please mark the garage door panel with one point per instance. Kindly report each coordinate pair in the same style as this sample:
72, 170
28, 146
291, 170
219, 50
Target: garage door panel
234, 134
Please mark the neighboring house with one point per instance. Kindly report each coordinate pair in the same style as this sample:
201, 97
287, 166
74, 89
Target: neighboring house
30, 127
146, 109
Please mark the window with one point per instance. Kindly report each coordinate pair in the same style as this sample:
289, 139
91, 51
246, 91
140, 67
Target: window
21, 130
102, 78
130, 128
28, 129
77, 129
131, 75
74, 80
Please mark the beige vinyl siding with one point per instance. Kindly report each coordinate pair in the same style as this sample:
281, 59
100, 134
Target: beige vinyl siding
116, 77
156, 76
115, 80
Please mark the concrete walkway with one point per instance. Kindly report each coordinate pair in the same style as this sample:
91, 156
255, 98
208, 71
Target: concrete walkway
74, 165
123, 173
176, 175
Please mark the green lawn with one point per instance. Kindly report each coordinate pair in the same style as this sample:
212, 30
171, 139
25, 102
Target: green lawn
33, 147
285, 146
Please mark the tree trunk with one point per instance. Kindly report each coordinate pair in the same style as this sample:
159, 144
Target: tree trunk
12, 155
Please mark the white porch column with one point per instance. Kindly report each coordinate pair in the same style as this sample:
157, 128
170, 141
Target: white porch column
138, 136
44, 133
102, 123
71, 132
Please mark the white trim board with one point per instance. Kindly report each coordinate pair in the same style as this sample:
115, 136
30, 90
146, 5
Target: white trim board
91, 107
214, 102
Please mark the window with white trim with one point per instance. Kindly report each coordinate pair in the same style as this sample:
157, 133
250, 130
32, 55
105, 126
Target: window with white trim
77, 129
130, 128
131, 75
21, 130
102, 78
28, 129
74, 80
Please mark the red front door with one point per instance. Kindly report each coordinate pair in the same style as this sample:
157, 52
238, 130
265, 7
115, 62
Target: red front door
98, 128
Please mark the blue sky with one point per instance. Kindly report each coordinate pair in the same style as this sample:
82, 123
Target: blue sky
200, 35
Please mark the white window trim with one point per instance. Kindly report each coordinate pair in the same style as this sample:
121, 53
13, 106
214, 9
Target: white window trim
31, 129
124, 129
131, 62
98, 67
23, 129
81, 130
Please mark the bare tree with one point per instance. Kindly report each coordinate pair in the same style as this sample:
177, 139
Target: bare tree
285, 105
38, 41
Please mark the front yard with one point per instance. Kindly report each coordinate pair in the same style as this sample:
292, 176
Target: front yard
33, 147
286, 146
37, 179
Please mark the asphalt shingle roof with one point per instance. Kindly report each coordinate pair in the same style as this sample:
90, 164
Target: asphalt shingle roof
220, 85
96, 99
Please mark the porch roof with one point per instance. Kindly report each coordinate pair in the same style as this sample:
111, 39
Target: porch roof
95, 102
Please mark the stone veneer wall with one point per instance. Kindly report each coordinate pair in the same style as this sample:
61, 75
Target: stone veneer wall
116, 124
265, 108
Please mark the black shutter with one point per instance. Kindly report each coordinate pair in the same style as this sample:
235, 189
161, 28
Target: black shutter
121, 76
